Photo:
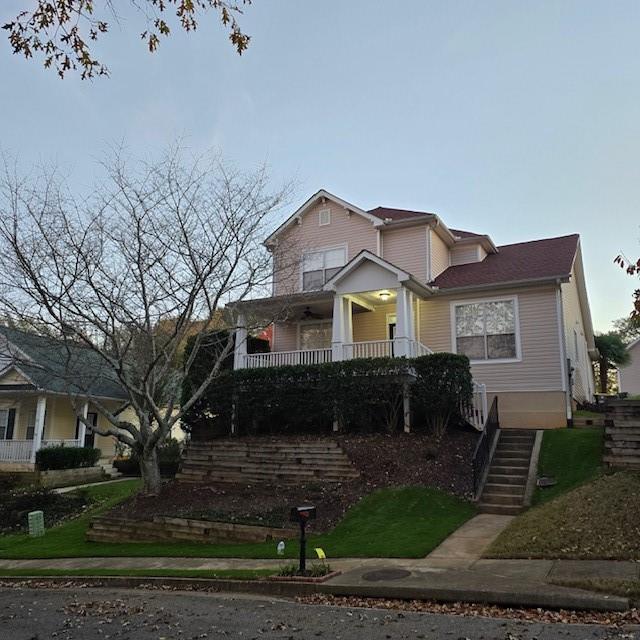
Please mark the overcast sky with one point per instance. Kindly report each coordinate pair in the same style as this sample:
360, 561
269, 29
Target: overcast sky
516, 119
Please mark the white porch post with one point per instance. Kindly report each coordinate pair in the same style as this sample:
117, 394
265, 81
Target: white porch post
41, 408
240, 347
404, 323
82, 427
337, 328
347, 323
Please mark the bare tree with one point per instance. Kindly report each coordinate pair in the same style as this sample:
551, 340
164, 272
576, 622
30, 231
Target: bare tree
131, 272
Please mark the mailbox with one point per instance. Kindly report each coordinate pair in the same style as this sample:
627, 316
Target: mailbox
302, 514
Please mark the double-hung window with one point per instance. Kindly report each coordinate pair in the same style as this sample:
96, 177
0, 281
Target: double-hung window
487, 330
320, 266
315, 335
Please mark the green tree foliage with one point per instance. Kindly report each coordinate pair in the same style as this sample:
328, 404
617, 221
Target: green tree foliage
613, 352
628, 328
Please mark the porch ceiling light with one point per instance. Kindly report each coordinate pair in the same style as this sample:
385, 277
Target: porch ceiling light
384, 296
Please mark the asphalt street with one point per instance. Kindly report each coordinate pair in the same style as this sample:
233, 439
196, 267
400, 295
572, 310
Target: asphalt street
88, 614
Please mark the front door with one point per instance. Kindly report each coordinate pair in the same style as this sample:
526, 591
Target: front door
89, 435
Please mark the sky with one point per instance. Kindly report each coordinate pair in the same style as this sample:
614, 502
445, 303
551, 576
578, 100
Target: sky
516, 119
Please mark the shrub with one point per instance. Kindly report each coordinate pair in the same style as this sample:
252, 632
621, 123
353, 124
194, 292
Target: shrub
362, 394
62, 457
169, 456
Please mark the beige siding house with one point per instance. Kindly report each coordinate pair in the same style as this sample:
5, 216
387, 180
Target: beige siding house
35, 406
629, 375
392, 282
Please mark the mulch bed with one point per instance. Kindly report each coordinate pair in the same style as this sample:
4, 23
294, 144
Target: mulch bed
383, 461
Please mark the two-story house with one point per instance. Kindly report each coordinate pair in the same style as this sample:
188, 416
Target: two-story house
391, 282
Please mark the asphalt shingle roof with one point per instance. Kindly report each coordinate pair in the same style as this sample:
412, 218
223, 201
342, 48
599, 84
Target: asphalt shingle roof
537, 259
62, 367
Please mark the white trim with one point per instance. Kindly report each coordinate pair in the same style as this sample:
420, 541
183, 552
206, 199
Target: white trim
15, 367
516, 317
563, 352
379, 243
326, 211
344, 246
429, 271
322, 194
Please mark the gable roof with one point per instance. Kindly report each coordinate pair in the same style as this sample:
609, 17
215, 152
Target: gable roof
388, 213
319, 195
548, 259
57, 366
404, 277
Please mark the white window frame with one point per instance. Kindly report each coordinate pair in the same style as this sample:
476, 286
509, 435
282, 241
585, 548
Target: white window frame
310, 250
322, 212
516, 316
311, 321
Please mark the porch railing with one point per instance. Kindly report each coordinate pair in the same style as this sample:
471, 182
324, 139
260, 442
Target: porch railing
287, 358
368, 349
20, 450
482, 453
15, 450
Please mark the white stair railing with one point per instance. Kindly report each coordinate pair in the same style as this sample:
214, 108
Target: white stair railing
478, 410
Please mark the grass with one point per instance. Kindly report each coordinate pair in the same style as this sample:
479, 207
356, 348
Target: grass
219, 574
405, 522
597, 520
625, 588
572, 457
583, 413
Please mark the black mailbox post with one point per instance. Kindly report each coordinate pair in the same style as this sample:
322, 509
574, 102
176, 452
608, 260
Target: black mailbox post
302, 515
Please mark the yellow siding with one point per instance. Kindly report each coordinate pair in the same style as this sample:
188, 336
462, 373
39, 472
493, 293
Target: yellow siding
464, 254
13, 377
407, 249
439, 255
540, 367
372, 325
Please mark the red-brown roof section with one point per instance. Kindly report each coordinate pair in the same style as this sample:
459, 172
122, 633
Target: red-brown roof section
397, 214
538, 259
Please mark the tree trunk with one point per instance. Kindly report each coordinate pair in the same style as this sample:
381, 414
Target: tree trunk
604, 375
150, 471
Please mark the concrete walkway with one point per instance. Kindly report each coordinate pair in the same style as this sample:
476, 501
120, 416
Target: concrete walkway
89, 484
467, 544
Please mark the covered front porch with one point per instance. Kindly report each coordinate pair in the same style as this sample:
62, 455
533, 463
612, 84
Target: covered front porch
368, 310
31, 421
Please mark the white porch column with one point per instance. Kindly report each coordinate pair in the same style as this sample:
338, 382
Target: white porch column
82, 427
347, 323
240, 347
337, 328
404, 323
41, 408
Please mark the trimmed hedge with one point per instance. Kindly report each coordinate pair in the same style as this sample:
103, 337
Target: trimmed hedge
362, 394
66, 457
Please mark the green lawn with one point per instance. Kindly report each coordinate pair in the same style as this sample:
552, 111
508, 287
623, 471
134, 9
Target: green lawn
583, 413
405, 522
572, 457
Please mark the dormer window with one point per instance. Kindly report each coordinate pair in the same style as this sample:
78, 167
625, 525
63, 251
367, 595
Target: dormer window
324, 217
320, 266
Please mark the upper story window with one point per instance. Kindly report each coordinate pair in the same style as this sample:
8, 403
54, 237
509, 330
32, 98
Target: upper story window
320, 266
487, 330
324, 217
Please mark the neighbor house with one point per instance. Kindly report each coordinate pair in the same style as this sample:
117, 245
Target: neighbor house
629, 375
350, 283
38, 377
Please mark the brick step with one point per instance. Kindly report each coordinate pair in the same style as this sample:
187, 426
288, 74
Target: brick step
500, 509
499, 478
505, 489
509, 470
502, 498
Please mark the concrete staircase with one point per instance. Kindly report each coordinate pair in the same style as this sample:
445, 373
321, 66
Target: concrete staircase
504, 490
109, 470
284, 462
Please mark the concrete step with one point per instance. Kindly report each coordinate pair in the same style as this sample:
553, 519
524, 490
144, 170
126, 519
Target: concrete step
501, 498
504, 489
500, 509
499, 478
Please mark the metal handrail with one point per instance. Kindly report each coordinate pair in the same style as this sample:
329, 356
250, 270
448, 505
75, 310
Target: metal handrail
482, 453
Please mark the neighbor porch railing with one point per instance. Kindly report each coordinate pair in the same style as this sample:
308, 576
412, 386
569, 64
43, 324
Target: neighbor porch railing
21, 450
287, 358
482, 453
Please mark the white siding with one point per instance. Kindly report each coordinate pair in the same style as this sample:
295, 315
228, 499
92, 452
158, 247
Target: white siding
439, 255
464, 254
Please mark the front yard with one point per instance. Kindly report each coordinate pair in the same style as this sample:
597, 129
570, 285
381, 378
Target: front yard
393, 522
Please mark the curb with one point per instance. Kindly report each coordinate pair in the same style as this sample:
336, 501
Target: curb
537, 598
